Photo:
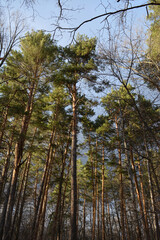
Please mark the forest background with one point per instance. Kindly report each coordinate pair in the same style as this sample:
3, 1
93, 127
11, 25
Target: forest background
79, 125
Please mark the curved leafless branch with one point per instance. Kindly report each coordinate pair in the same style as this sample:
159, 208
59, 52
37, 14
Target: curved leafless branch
105, 15
9, 35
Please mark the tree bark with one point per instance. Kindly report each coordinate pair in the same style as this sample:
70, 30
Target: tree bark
151, 187
103, 216
57, 218
39, 206
6, 166
93, 190
142, 192
3, 125
18, 156
121, 182
21, 207
145, 223
73, 234
84, 217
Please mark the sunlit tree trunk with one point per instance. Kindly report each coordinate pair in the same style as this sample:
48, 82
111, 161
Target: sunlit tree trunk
73, 235
4, 115
132, 189
142, 191
145, 224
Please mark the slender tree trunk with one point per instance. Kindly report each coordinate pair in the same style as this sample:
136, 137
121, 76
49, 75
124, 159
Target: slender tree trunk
145, 224
132, 190
154, 211
95, 185
37, 214
126, 222
61, 222
152, 198
109, 221
98, 218
84, 217
17, 206
41, 217
5, 115
57, 218
103, 216
93, 191
142, 191
73, 235
18, 156
6, 166
3, 215
121, 183
23, 197
115, 222
118, 218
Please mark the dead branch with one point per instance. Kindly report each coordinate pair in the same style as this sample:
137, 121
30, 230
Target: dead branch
104, 15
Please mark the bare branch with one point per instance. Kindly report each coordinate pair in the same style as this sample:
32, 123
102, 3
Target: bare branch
61, 9
106, 15
9, 34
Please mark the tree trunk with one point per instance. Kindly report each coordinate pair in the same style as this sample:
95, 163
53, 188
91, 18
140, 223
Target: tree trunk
84, 217
6, 166
73, 235
18, 156
109, 221
44, 182
23, 198
93, 190
145, 223
57, 218
132, 190
142, 192
5, 116
4, 211
41, 217
98, 218
154, 212
121, 182
151, 187
126, 222
103, 217
3, 125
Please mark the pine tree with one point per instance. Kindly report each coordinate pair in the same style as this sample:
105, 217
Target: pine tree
28, 67
78, 64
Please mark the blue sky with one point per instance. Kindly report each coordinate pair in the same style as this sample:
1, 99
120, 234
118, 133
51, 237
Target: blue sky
44, 12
